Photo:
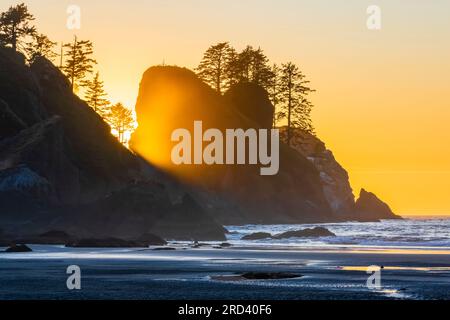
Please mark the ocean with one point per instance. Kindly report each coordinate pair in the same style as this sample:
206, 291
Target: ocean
415, 232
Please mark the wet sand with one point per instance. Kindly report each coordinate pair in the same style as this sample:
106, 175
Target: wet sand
209, 273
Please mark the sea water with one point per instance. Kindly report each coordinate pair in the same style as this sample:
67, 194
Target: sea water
411, 233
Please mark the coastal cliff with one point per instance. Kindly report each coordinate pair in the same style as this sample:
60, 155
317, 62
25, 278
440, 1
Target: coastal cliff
336, 182
171, 98
60, 167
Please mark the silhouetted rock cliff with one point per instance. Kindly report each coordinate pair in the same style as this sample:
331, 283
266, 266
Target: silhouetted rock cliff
336, 183
370, 207
311, 185
60, 167
252, 102
171, 98
334, 178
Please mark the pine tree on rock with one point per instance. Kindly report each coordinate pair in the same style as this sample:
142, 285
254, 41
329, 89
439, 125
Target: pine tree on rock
41, 46
15, 26
296, 108
252, 66
96, 96
121, 120
79, 62
232, 70
260, 68
274, 91
212, 68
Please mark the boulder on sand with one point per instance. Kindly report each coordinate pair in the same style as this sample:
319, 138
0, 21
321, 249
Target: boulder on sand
306, 233
257, 276
257, 236
18, 248
269, 275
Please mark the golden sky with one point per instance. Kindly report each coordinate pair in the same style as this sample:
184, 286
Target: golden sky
383, 97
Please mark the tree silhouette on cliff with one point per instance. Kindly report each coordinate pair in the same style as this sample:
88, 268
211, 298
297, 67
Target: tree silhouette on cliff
41, 46
222, 67
295, 106
15, 26
121, 120
95, 95
79, 63
288, 90
214, 65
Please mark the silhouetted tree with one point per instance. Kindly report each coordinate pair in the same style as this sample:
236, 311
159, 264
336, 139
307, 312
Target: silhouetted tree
260, 69
121, 120
274, 91
41, 46
79, 62
212, 68
296, 108
288, 90
244, 64
232, 70
95, 95
252, 66
15, 26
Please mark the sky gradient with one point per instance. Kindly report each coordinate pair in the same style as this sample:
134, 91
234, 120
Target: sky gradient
383, 97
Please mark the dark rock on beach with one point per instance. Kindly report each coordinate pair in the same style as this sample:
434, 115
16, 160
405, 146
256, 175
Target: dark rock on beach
306, 233
257, 276
269, 275
315, 232
257, 236
20, 248
165, 249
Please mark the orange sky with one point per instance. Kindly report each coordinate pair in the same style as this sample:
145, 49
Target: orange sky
383, 97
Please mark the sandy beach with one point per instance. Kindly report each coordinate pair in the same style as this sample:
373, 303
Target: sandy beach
212, 273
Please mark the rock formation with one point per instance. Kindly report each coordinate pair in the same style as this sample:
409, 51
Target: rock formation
171, 98
316, 232
59, 166
335, 181
61, 169
334, 178
306, 233
370, 207
257, 236
20, 248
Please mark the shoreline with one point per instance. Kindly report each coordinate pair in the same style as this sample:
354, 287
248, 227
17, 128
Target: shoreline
208, 273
